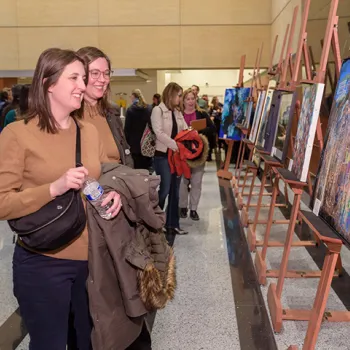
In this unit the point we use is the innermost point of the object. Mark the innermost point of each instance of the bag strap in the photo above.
(78, 146)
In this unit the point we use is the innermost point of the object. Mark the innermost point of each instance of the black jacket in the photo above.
(136, 120)
(116, 126)
(210, 130)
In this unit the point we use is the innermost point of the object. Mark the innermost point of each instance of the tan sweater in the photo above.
(30, 160)
(92, 116)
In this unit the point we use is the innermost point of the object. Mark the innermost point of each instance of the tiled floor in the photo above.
(218, 304)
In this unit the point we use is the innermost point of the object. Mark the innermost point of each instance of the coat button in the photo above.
(146, 180)
(114, 178)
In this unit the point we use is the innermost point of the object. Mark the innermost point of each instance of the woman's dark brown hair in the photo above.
(49, 68)
(170, 91)
(89, 54)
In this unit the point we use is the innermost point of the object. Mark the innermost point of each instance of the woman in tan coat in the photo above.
(97, 108)
(37, 164)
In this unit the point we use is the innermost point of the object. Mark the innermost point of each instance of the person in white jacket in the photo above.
(167, 121)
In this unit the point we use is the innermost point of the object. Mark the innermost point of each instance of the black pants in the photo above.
(50, 293)
(141, 162)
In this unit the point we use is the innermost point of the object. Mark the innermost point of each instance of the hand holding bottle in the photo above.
(73, 178)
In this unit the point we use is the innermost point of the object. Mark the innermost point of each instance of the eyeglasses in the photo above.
(95, 74)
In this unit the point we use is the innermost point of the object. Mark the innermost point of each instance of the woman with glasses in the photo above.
(167, 121)
(99, 111)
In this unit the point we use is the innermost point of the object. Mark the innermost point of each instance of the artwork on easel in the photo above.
(284, 126)
(271, 127)
(264, 117)
(257, 115)
(248, 115)
(332, 188)
(233, 112)
(304, 139)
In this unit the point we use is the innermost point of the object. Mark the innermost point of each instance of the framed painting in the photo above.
(284, 126)
(235, 104)
(271, 127)
(305, 136)
(332, 187)
(260, 140)
(248, 115)
(257, 116)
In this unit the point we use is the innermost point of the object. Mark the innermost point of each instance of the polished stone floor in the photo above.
(219, 304)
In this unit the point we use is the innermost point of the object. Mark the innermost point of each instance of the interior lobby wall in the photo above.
(138, 34)
(282, 15)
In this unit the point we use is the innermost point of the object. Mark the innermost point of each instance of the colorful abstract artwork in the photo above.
(235, 105)
(248, 114)
(264, 118)
(305, 136)
(285, 115)
(257, 116)
(271, 127)
(332, 188)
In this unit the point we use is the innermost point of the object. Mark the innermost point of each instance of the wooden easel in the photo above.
(269, 161)
(278, 314)
(264, 155)
(260, 257)
(245, 141)
(225, 173)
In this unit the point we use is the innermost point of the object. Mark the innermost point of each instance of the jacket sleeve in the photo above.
(210, 125)
(15, 202)
(158, 129)
(127, 126)
(128, 158)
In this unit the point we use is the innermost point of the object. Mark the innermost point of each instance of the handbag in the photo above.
(148, 142)
(58, 222)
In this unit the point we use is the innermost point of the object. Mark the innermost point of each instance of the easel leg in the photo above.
(260, 257)
(288, 243)
(245, 210)
(320, 303)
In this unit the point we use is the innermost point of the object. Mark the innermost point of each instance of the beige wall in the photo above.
(138, 33)
(282, 15)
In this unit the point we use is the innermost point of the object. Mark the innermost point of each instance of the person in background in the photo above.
(16, 89)
(167, 121)
(156, 100)
(4, 97)
(138, 115)
(191, 112)
(215, 112)
(195, 89)
(19, 113)
(203, 103)
(37, 164)
(99, 111)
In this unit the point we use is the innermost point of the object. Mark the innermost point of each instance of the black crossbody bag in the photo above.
(58, 222)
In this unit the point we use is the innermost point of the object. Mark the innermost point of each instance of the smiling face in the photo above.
(67, 93)
(99, 79)
(190, 101)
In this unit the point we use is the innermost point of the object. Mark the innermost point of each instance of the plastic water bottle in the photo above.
(94, 193)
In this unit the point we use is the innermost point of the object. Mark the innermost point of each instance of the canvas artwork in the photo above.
(304, 139)
(248, 115)
(233, 112)
(264, 118)
(271, 127)
(257, 115)
(332, 189)
(284, 124)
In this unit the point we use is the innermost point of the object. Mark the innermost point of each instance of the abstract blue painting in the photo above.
(233, 112)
